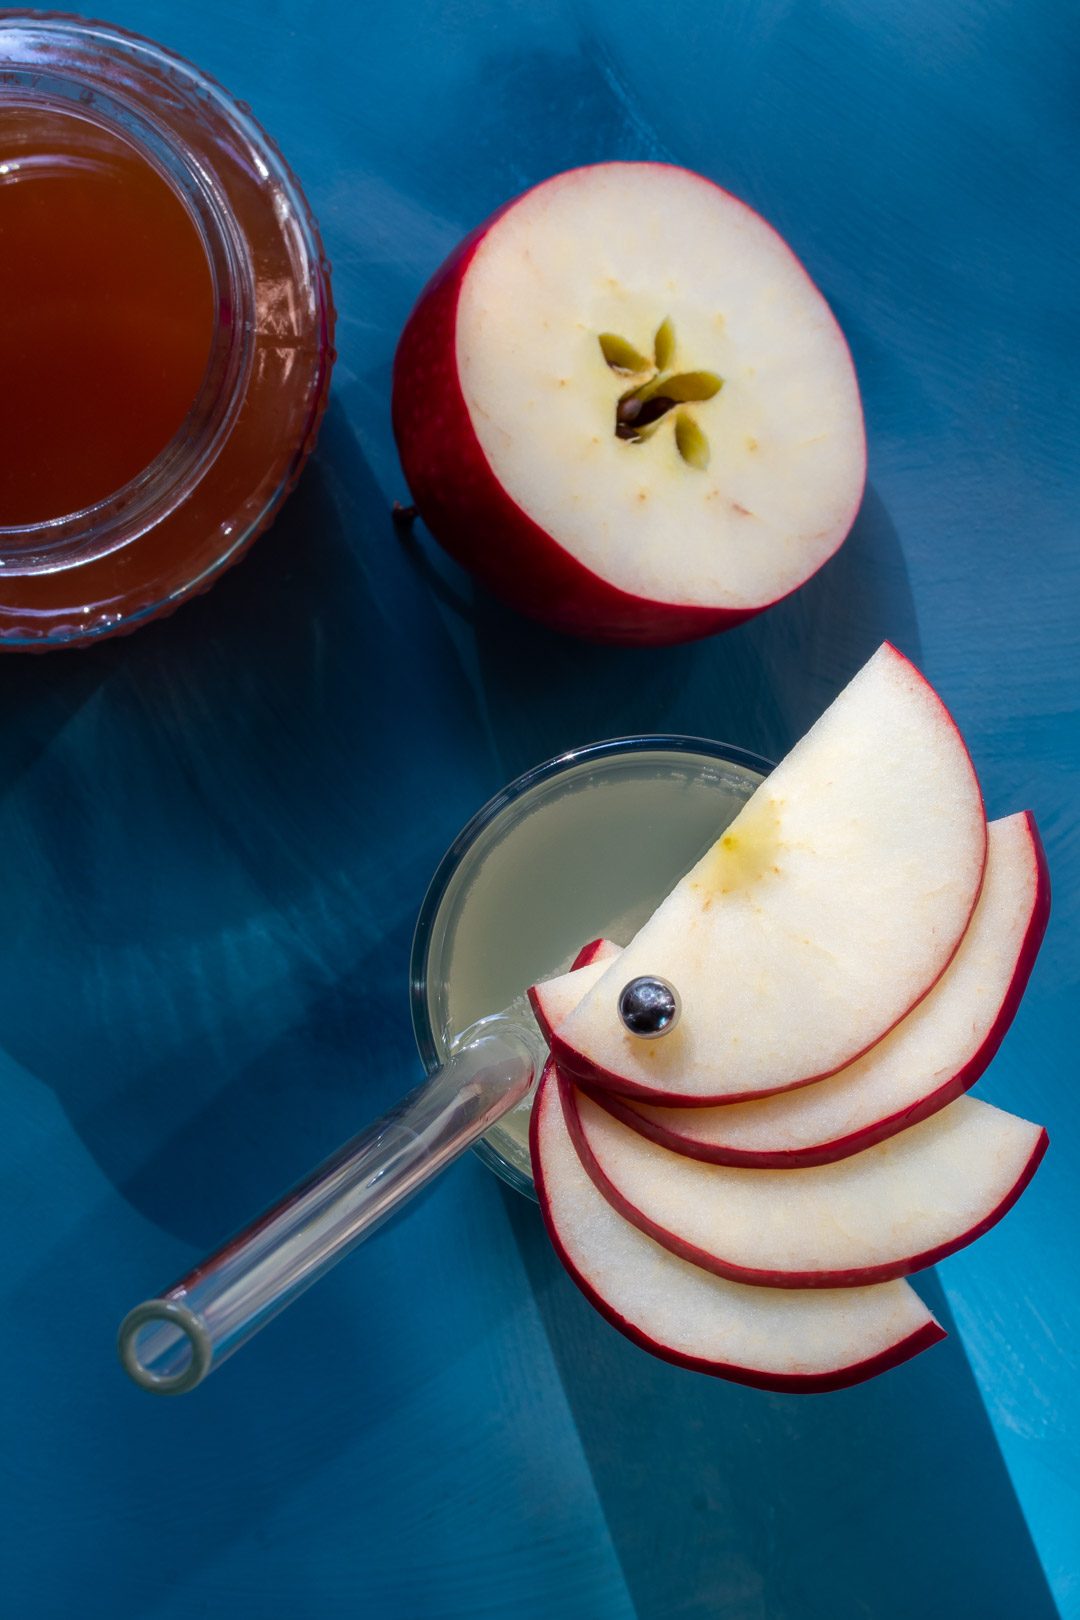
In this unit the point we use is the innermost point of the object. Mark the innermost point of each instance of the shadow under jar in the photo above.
(165, 378)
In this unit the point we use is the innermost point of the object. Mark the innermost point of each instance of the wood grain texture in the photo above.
(217, 834)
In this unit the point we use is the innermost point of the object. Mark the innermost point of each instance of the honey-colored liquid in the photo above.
(106, 313)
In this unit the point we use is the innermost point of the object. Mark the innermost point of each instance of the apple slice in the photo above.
(553, 1000)
(828, 908)
(625, 407)
(882, 1213)
(795, 1342)
(933, 1055)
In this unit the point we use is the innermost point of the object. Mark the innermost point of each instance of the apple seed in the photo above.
(691, 443)
(664, 344)
(621, 355)
(692, 385)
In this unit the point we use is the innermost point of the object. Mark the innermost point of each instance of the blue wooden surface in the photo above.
(216, 836)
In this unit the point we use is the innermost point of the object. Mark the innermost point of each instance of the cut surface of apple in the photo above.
(885, 1212)
(624, 405)
(807, 1341)
(553, 1000)
(819, 918)
(933, 1055)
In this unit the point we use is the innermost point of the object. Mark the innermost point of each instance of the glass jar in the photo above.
(171, 530)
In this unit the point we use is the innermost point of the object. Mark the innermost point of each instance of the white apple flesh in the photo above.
(883, 1213)
(931, 1057)
(797, 1342)
(822, 915)
(505, 408)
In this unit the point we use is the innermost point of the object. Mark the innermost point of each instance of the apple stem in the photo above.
(404, 516)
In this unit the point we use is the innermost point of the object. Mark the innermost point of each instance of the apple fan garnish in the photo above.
(823, 914)
(752, 1126)
(932, 1056)
(625, 407)
(801, 1341)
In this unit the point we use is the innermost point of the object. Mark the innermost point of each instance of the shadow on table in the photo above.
(184, 1480)
(222, 830)
(759, 686)
(885, 1501)
(219, 834)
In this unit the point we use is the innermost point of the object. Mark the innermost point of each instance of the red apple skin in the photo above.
(592, 1075)
(785, 1384)
(856, 1277)
(476, 521)
(843, 1146)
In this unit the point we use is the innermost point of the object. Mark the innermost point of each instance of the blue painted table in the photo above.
(216, 836)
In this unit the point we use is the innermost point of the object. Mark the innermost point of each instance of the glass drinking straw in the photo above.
(171, 1343)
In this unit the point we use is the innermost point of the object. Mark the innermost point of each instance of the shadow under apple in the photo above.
(722, 1500)
(759, 686)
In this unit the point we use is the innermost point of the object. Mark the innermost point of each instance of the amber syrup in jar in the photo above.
(109, 302)
(166, 330)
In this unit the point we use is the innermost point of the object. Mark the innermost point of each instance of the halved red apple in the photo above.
(883, 1213)
(623, 404)
(798, 1342)
(932, 1056)
(824, 913)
